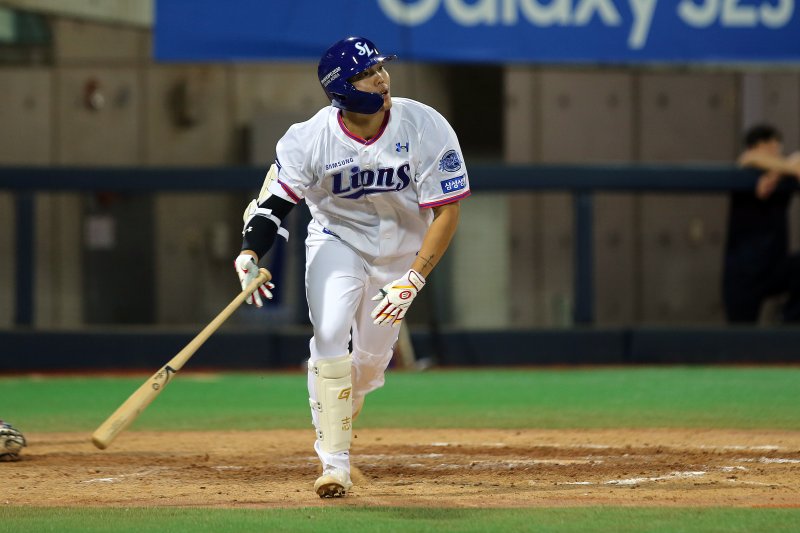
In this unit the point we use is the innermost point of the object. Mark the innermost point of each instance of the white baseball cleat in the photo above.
(333, 483)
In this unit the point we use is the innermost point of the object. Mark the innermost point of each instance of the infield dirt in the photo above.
(421, 468)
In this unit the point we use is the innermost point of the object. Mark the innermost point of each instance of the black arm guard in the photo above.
(262, 227)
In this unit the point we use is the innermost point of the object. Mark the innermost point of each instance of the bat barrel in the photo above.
(146, 393)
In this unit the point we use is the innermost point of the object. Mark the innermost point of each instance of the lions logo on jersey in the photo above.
(450, 161)
(363, 182)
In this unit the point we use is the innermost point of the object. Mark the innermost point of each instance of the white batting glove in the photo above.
(247, 270)
(396, 297)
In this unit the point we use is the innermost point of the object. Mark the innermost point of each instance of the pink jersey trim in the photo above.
(289, 191)
(445, 201)
(361, 139)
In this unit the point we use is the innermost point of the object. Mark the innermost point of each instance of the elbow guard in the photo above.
(262, 222)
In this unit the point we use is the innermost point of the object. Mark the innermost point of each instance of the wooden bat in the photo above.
(408, 359)
(147, 392)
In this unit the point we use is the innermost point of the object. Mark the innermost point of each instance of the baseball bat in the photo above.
(408, 358)
(147, 392)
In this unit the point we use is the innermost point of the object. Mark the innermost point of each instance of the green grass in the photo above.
(378, 519)
(712, 397)
(744, 398)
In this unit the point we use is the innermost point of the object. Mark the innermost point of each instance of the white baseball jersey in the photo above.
(373, 194)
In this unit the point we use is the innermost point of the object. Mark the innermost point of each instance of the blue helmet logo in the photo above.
(341, 62)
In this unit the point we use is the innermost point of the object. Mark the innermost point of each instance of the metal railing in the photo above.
(581, 181)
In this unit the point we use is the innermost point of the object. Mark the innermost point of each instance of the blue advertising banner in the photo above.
(484, 31)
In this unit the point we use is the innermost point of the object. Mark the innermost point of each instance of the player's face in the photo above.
(374, 80)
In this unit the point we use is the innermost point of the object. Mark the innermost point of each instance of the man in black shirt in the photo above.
(757, 261)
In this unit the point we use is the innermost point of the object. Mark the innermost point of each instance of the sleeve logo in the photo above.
(450, 161)
(454, 184)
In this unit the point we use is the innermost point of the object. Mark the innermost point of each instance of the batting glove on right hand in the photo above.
(247, 270)
(396, 298)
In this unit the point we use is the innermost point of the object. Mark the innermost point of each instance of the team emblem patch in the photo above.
(450, 161)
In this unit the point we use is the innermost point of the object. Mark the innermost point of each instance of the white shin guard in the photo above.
(332, 402)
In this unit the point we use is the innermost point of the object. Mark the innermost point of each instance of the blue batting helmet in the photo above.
(341, 62)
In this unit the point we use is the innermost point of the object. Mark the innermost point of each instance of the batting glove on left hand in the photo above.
(247, 270)
(396, 297)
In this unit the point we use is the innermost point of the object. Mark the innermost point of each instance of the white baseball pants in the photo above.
(340, 284)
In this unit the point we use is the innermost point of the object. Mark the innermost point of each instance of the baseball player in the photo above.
(383, 178)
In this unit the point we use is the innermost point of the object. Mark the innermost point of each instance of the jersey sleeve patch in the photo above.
(450, 161)
(454, 184)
